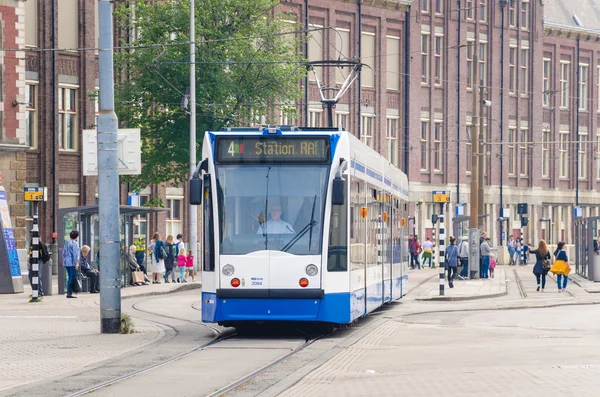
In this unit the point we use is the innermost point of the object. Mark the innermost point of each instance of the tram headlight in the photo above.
(228, 270)
(312, 270)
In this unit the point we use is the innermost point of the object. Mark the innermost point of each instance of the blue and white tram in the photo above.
(298, 225)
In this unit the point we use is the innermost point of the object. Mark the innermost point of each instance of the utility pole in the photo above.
(193, 209)
(473, 206)
(482, 157)
(108, 178)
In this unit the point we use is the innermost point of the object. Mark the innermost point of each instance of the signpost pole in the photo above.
(35, 251)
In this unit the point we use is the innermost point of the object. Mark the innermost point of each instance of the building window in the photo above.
(140, 222)
(68, 25)
(174, 223)
(524, 14)
(512, 70)
(546, 82)
(392, 140)
(564, 84)
(438, 153)
(437, 58)
(564, 154)
(438, 6)
(31, 23)
(523, 151)
(367, 75)
(512, 13)
(470, 47)
(342, 49)
(315, 50)
(469, 9)
(482, 11)
(546, 153)
(314, 118)
(524, 76)
(424, 146)
(583, 158)
(31, 131)
(469, 159)
(368, 127)
(341, 120)
(598, 89)
(392, 63)
(67, 118)
(512, 156)
(583, 91)
(598, 156)
(425, 6)
(482, 60)
(285, 115)
(424, 58)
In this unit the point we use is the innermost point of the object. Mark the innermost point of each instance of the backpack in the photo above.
(45, 255)
(176, 250)
(161, 251)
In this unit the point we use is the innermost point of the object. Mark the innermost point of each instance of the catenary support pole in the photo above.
(442, 249)
(193, 209)
(108, 179)
(473, 204)
(481, 164)
(35, 256)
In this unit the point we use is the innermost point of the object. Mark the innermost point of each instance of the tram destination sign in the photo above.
(272, 149)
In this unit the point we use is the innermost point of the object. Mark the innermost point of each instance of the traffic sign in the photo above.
(35, 193)
(441, 196)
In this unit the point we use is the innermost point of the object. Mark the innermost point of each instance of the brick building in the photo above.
(413, 103)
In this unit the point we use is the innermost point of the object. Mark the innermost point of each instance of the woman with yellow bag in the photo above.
(561, 267)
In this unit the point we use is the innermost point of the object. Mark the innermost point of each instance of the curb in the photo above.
(461, 298)
(182, 288)
(421, 283)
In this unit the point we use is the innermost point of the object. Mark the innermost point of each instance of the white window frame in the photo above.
(391, 134)
(546, 81)
(512, 13)
(583, 86)
(597, 155)
(424, 147)
(425, 6)
(63, 115)
(598, 88)
(31, 115)
(468, 150)
(170, 221)
(523, 152)
(425, 63)
(524, 9)
(482, 11)
(141, 219)
(470, 6)
(314, 118)
(512, 150)
(342, 117)
(565, 70)
(512, 69)
(318, 69)
(563, 156)
(546, 134)
(439, 7)
(438, 150)
(438, 59)
(482, 61)
(367, 132)
(582, 172)
(469, 57)
(524, 71)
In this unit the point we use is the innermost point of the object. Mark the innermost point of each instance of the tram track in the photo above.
(519, 284)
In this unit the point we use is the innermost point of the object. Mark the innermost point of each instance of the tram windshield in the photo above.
(271, 207)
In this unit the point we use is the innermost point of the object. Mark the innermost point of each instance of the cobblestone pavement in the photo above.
(58, 336)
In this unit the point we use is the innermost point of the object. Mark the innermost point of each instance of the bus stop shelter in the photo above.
(587, 260)
(85, 220)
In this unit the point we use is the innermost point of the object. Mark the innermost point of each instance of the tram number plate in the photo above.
(266, 149)
(441, 197)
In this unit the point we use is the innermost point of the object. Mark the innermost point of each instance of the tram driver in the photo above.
(275, 225)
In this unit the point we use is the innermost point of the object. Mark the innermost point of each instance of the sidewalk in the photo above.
(59, 335)
(463, 289)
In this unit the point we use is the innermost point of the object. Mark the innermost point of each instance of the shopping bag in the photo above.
(76, 285)
(137, 277)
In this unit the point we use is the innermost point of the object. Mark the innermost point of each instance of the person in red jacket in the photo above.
(414, 246)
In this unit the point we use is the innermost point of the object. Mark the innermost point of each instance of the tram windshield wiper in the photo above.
(304, 230)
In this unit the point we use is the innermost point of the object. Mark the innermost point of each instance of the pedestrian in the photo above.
(427, 251)
(181, 262)
(417, 244)
(140, 252)
(411, 250)
(158, 263)
(512, 248)
(463, 256)
(189, 264)
(43, 259)
(179, 246)
(492, 265)
(518, 249)
(542, 264)
(133, 266)
(88, 271)
(169, 260)
(451, 261)
(561, 266)
(70, 256)
(485, 250)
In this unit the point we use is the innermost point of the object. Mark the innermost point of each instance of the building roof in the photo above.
(576, 15)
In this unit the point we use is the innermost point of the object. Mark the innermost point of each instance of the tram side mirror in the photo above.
(196, 191)
(339, 191)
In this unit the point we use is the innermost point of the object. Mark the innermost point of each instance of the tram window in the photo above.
(337, 256)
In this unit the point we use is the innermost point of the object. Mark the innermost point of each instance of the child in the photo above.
(492, 265)
(181, 263)
(189, 264)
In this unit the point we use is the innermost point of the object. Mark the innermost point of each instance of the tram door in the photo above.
(386, 248)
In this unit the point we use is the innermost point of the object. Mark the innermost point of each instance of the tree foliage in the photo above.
(244, 66)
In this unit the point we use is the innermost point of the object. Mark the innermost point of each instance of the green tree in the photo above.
(244, 66)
